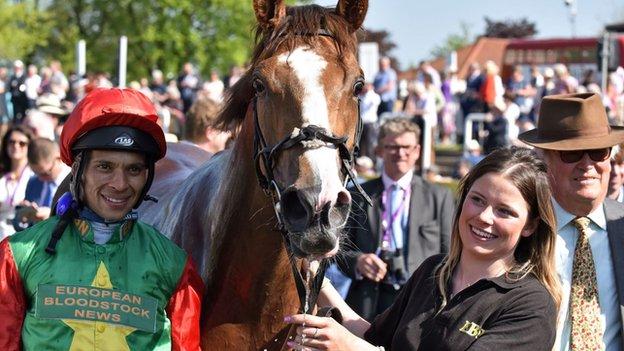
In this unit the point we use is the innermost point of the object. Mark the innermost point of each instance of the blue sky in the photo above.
(418, 26)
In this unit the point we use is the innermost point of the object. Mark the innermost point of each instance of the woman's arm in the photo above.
(324, 333)
(328, 296)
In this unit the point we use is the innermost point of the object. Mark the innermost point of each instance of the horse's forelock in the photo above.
(298, 26)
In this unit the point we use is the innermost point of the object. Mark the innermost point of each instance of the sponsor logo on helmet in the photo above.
(124, 140)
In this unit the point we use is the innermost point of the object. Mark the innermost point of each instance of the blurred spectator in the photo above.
(32, 82)
(58, 81)
(236, 72)
(365, 169)
(385, 84)
(522, 93)
(589, 81)
(537, 79)
(565, 83)
(214, 87)
(17, 88)
(46, 78)
(145, 89)
(15, 175)
(199, 126)
(447, 116)
(492, 89)
(512, 115)
(425, 68)
(473, 153)
(188, 84)
(158, 87)
(44, 158)
(616, 177)
(471, 98)
(496, 126)
(369, 103)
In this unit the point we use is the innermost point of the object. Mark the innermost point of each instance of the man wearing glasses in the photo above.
(576, 142)
(410, 220)
(44, 158)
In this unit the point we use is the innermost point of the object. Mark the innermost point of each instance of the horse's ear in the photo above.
(269, 12)
(354, 11)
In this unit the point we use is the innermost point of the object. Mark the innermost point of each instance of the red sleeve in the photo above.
(184, 309)
(12, 300)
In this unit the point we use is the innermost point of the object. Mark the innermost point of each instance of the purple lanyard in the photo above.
(388, 217)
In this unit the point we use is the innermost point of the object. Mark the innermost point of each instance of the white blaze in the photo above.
(308, 67)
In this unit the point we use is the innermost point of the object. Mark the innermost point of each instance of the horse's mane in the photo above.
(301, 24)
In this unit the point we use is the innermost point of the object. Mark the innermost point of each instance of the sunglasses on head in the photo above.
(596, 155)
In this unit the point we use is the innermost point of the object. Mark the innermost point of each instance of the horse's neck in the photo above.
(251, 280)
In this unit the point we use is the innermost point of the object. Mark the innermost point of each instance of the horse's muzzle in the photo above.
(313, 222)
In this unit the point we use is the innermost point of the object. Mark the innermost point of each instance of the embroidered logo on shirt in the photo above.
(472, 329)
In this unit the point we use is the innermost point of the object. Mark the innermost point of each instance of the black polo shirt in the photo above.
(491, 314)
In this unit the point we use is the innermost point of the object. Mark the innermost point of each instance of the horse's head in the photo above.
(306, 79)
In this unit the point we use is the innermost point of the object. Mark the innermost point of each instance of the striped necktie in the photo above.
(586, 329)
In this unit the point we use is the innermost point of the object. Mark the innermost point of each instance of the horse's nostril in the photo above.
(344, 198)
(294, 210)
(325, 214)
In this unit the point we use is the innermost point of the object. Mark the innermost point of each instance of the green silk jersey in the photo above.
(116, 296)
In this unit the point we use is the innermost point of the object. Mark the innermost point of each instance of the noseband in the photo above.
(265, 157)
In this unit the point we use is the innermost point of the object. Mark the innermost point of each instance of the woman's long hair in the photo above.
(5, 160)
(534, 254)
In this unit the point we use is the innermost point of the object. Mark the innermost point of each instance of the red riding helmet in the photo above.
(121, 119)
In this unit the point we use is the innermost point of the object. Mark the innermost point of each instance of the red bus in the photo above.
(579, 54)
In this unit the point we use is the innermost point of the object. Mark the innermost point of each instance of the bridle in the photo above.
(265, 157)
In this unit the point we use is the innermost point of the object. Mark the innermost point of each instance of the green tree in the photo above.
(520, 28)
(453, 42)
(22, 29)
(161, 33)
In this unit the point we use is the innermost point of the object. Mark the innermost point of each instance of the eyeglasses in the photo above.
(18, 142)
(596, 155)
(397, 148)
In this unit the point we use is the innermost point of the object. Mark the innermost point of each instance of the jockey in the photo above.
(93, 277)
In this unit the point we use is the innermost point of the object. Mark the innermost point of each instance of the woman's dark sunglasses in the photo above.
(18, 142)
(596, 155)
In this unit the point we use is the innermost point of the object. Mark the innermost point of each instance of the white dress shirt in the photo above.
(607, 293)
(405, 184)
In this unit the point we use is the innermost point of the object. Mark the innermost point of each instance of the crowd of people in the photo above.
(440, 102)
(527, 254)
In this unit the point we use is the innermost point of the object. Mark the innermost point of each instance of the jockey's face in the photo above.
(113, 181)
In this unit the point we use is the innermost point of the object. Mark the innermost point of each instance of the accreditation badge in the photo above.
(72, 302)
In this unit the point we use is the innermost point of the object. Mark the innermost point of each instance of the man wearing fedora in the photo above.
(576, 142)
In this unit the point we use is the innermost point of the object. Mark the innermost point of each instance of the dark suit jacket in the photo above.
(430, 220)
(614, 212)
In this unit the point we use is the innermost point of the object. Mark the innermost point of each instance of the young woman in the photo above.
(496, 289)
(14, 173)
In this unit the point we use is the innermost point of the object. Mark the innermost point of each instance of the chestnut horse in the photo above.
(297, 112)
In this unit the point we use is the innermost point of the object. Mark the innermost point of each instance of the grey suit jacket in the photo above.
(614, 212)
(430, 219)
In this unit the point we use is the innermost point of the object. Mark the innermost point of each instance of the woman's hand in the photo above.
(323, 333)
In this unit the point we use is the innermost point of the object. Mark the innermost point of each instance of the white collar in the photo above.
(404, 182)
(564, 217)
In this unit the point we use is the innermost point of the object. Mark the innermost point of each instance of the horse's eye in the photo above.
(258, 86)
(357, 87)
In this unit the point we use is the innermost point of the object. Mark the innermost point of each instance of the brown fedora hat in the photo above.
(573, 122)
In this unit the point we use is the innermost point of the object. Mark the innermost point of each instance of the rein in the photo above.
(265, 156)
